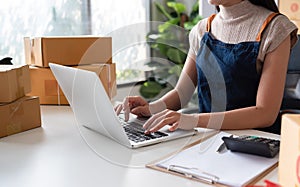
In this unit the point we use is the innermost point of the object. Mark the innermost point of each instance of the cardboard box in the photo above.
(290, 8)
(14, 82)
(20, 115)
(46, 87)
(289, 155)
(73, 51)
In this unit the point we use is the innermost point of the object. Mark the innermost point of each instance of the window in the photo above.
(126, 23)
(36, 18)
(115, 18)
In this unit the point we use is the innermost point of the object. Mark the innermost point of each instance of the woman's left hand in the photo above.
(174, 119)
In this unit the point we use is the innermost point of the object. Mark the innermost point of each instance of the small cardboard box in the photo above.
(289, 155)
(46, 87)
(14, 82)
(290, 8)
(72, 51)
(20, 115)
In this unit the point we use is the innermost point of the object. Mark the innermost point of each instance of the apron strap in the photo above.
(209, 20)
(265, 24)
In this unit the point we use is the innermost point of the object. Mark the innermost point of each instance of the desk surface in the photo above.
(63, 154)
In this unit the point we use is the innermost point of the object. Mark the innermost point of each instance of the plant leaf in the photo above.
(195, 7)
(195, 11)
(163, 27)
(190, 24)
(176, 55)
(196, 19)
(150, 89)
(163, 48)
(162, 10)
(176, 70)
(178, 7)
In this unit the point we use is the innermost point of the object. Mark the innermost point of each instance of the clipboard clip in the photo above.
(200, 175)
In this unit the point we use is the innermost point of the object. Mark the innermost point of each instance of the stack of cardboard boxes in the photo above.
(88, 53)
(291, 8)
(18, 112)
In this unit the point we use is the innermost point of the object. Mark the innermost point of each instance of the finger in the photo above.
(141, 111)
(154, 123)
(118, 109)
(162, 123)
(126, 108)
(174, 126)
(137, 101)
(153, 118)
(137, 111)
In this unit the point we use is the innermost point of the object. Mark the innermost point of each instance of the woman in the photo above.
(238, 59)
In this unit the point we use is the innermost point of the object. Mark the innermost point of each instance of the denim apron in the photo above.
(227, 73)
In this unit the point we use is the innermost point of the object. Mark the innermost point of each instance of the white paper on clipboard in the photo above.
(229, 168)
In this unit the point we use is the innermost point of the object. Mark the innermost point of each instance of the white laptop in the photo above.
(93, 109)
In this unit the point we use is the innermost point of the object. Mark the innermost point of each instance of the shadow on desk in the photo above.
(30, 137)
(110, 150)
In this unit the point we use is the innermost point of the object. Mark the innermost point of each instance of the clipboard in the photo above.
(187, 163)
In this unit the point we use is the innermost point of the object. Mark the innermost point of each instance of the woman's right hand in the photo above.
(135, 105)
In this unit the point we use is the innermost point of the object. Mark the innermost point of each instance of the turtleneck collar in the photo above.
(236, 10)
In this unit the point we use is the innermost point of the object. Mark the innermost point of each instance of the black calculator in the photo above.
(253, 145)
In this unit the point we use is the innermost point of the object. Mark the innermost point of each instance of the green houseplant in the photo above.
(170, 40)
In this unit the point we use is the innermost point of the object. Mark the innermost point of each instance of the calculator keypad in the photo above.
(253, 145)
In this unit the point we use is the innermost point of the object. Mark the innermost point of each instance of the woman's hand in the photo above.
(135, 105)
(174, 119)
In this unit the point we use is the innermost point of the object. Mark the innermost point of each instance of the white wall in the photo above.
(206, 9)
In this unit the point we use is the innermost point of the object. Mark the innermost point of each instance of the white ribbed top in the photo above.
(242, 22)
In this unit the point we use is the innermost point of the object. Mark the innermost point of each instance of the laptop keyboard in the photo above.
(136, 133)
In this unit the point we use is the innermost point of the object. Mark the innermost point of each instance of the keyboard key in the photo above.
(135, 132)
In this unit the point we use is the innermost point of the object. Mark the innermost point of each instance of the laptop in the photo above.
(93, 109)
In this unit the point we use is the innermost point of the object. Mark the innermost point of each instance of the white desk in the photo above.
(62, 154)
